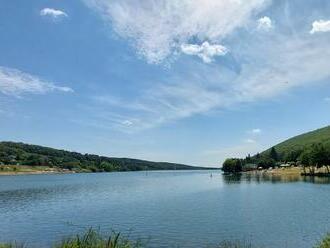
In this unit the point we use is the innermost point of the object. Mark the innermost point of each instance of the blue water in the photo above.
(166, 209)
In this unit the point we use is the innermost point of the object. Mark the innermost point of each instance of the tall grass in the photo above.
(93, 239)
(325, 243)
(234, 244)
(12, 245)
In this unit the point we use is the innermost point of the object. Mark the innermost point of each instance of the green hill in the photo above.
(294, 146)
(12, 153)
(308, 149)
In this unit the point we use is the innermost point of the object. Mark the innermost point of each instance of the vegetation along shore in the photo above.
(94, 239)
(20, 158)
(307, 154)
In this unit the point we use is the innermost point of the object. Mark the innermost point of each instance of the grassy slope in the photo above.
(321, 135)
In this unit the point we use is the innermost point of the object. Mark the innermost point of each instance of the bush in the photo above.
(93, 239)
(325, 243)
(232, 165)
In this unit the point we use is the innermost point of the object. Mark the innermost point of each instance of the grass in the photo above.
(325, 243)
(12, 245)
(94, 239)
(234, 244)
(321, 135)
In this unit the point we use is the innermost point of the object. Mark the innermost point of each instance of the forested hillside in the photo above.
(310, 149)
(12, 153)
(290, 149)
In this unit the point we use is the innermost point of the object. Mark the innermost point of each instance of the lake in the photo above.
(166, 208)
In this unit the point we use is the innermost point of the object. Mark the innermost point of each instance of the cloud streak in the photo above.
(14, 82)
(320, 26)
(266, 65)
(205, 51)
(255, 131)
(157, 29)
(53, 13)
(290, 63)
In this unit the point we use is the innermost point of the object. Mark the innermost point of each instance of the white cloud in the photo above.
(250, 141)
(265, 23)
(320, 26)
(280, 64)
(127, 123)
(53, 13)
(14, 82)
(159, 28)
(255, 131)
(206, 51)
(327, 99)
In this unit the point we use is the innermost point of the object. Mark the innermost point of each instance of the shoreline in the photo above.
(21, 173)
(290, 172)
(16, 170)
(12, 170)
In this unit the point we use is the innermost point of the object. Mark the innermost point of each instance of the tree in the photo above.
(232, 165)
(292, 156)
(305, 159)
(248, 159)
(273, 154)
(318, 155)
(266, 163)
(106, 166)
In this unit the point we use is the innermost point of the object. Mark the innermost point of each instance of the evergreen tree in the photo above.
(273, 154)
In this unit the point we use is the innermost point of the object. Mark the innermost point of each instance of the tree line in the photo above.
(12, 153)
(309, 158)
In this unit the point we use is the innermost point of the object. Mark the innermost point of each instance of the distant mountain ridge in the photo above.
(35, 155)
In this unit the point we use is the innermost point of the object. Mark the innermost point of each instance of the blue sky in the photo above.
(180, 81)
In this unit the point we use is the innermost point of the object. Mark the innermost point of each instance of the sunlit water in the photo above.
(166, 209)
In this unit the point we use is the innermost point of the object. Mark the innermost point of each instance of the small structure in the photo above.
(285, 165)
(250, 167)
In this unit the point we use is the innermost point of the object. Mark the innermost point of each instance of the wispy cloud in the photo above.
(157, 29)
(16, 83)
(55, 14)
(327, 99)
(320, 26)
(250, 141)
(201, 88)
(255, 131)
(205, 51)
(268, 65)
(265, 23)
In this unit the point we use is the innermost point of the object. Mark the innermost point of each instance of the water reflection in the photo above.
(261, 177)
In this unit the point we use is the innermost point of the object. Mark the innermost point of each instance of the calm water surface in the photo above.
(166, 209)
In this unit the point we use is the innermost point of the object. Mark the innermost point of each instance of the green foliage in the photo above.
(325, 243)
(12, 245)
(232, 165)
(235, 244)
(266, 162)
(12, 153)
(310, 150)
(93, 239)
(273, 154)
(291, 149)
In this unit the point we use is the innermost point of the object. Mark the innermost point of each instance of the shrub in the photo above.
(325, 243)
